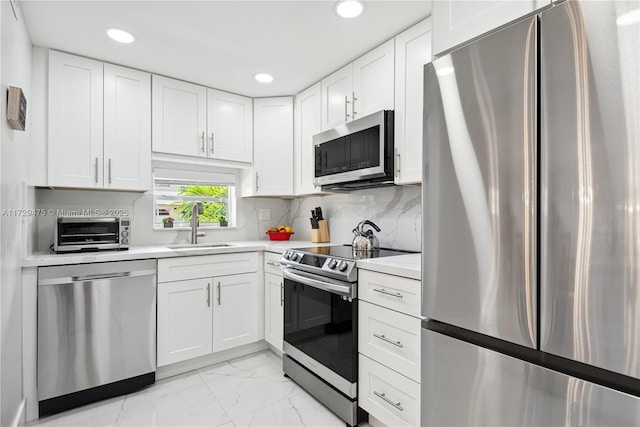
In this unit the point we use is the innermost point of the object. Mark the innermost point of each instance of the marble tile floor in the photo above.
(248, 391)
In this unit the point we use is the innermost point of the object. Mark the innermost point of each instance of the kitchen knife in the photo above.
(319, 216)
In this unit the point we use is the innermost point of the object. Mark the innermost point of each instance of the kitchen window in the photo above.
(175, 192)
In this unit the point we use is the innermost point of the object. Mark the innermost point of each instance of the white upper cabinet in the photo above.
(413, 51)
(179, 117)
(230, 126)
(273, 154)
(99, 125)
(458, 21)
(75, 156)
(307, 122)
(336, 98)
(127, 128)
(362, 87)
(192, 120)
(373, 81)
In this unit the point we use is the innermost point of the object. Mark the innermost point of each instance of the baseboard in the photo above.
(163, 372)
(275, 350)
(374, 422)
(20, 419)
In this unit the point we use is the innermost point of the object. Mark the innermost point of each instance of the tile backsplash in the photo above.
(396, 210)
(140, 208)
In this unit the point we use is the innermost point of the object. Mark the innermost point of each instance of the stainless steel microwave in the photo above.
(356, 155)
(84, 233)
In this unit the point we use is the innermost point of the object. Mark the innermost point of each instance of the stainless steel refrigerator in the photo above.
(531, 235)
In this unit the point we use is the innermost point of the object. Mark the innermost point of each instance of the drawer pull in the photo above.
(383, 338)
(273, 264)
(390, 402)
(386, 292)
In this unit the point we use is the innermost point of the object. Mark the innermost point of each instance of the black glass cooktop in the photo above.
(348, 253)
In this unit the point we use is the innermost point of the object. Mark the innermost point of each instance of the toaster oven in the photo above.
(76, 234)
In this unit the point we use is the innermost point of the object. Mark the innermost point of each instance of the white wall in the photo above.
(140, 207)
(396, 210)
(15, 70)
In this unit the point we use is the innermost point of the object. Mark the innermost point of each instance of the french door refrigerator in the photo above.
(531, 235)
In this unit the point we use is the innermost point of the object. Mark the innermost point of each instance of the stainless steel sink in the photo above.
(199, 246)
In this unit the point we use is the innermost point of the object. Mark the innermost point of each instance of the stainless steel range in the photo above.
(321, 324)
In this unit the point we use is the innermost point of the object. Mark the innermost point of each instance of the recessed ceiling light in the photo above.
(121, 36)
(629, 18)
(349, 8)
(264, 77)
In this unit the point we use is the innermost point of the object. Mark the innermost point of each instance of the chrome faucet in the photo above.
(195, 211)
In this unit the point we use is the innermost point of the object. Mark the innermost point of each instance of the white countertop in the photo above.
(160, 251)
(400, 265)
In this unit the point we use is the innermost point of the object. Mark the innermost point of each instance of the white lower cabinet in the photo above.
(273, 300)
(216, 311)
(391, 338)
(235, 312)
(389, 343)
(390, 397)
(184, 320)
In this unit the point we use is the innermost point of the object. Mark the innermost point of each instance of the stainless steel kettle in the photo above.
(365, 240)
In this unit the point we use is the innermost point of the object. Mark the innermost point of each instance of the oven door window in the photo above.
(89, 232)
(322, 325)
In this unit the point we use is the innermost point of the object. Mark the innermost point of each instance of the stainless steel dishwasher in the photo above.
(96, 332)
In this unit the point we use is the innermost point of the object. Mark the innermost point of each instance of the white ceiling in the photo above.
(222, 44)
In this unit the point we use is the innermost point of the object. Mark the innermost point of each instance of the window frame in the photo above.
(178, 177)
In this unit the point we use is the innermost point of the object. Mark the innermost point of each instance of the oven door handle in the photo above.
(319, 282)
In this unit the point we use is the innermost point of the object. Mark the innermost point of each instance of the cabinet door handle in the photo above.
(346, 108)
(96, 168)
(384, 397)
(390, 341)
(257, 182)
(219, 294)
(397, 168)
(211, 139)
(202, 142)
(386, 292)
(281, 294)
(208, 294)
(109, 171)
(353, 104)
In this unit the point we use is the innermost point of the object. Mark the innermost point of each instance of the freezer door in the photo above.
(466, 385)
(590, 184)
(479, 186)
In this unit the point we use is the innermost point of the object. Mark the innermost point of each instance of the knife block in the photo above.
(321, 234)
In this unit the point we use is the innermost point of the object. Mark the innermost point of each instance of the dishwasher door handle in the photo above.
(92, 277)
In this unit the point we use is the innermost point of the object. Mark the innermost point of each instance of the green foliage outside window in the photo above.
(211, 211)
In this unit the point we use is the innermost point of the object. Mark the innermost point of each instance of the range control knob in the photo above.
(332, 263)
(343, 266)
(294, 256)
(287, 254)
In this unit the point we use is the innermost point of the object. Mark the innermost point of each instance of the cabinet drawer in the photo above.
(394, 292)
(390, 338)
(195, 267)
(387, 395)
(272, 263)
